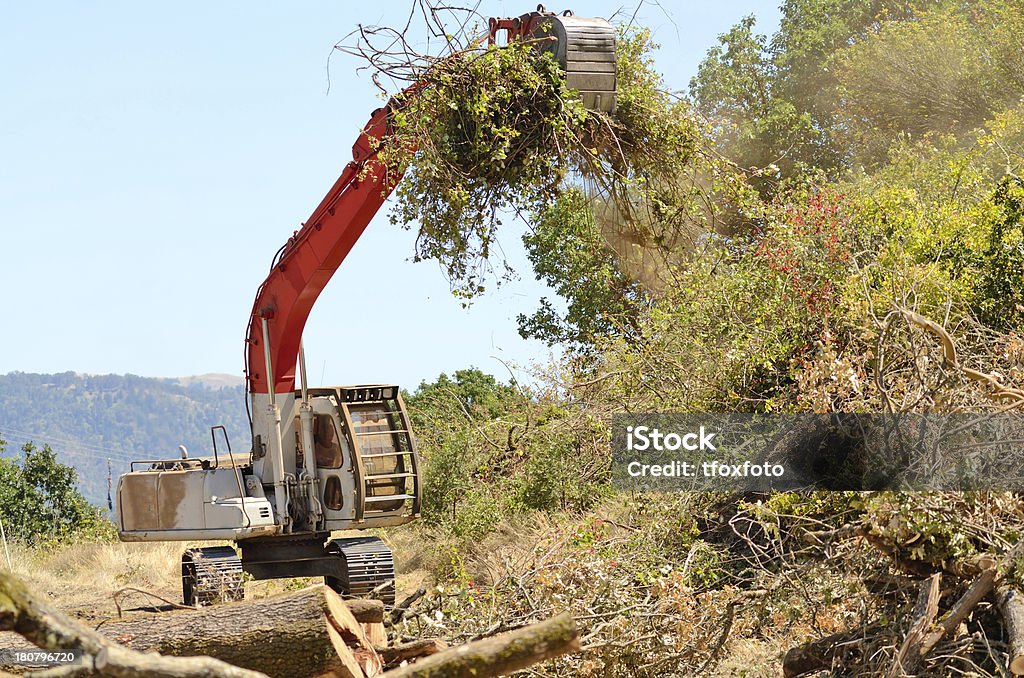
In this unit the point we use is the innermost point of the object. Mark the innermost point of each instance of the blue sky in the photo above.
(154, 157)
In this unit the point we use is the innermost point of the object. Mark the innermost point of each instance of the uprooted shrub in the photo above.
(494, 131)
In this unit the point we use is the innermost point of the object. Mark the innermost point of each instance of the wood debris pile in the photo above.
(312, 632)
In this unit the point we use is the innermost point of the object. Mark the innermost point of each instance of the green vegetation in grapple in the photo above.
(495, 131)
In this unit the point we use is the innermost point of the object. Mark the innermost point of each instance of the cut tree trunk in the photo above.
(50, 629)
(1011, 605)
(366, 611)
(310, 632)
(376, 634)
(499, 655)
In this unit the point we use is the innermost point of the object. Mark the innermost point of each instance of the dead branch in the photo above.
(499, 655)
(402, 608)
(819, 655)
(1000, 390)
(908, 658)
(1011, 606)
(977, 592)
(848, 531)
(117, 595)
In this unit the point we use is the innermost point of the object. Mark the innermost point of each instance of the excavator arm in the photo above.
(305, 264)
(584, 47)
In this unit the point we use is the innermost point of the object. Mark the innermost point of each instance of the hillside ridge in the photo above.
(88, 419)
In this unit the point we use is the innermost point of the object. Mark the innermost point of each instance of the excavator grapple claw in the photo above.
(584, 47)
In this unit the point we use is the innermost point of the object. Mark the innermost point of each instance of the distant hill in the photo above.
(213, 380)
(88, 419)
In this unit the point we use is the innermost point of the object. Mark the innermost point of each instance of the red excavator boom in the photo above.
(586, 50)
(305, 264)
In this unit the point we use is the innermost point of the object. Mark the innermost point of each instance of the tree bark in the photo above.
(366, 611)
(499, 655)
(1011, 605)
(310, 632)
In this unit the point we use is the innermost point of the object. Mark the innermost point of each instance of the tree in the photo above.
(491, 450)
(1001, 286)
(39, 497)
(776, 102)
(468, 394)
(461, 423)
(734, 87)
(570, 254)
(946, 72)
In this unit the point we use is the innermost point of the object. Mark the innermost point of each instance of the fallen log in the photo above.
(306, 633)
(908, 658)
(498, 655)
(1011, 606)
(310, 633)
(366, 611)
(50, 629)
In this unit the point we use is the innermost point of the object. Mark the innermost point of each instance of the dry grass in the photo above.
(81, 578)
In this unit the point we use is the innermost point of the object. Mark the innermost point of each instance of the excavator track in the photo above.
(211, 575)
(368, 566)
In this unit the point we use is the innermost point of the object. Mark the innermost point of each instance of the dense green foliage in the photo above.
(568, 251)
(488, 133)
(40, 501)
(873, 154)
(844, 233)
(494, 450)
(841, 80)
(884, 140)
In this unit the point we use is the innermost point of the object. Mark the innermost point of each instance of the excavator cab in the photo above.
(584, 47)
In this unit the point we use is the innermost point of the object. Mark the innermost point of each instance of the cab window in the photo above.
(333, 497)
(326, 442)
